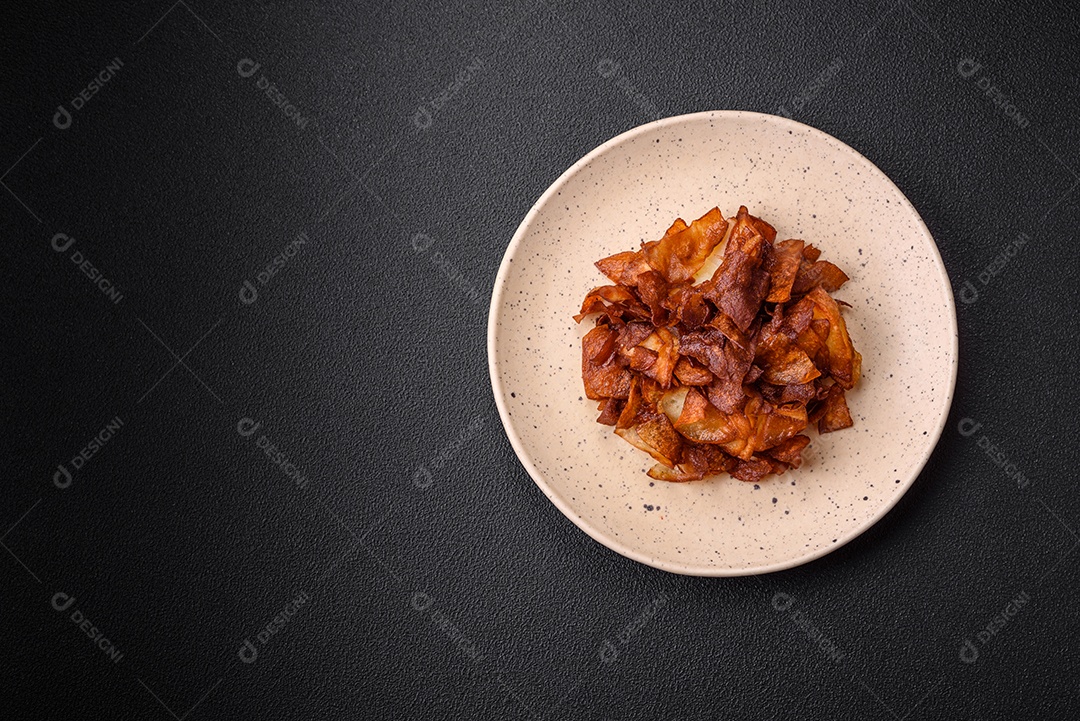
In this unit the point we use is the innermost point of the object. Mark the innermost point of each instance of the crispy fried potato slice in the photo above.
(680, 474)
(774, 424)
(653, 290)
(842, 362)
(747, 225)
(836, 414)
(609, 411)
(782, 263)
(678, 226)
(740, 284)
(700, 421)
(784, 363)
(687, 304)
(708, 459)
(624, 268)
(633, 407)
(679, 254)
(665, 345)
(672, 402)
(656, 430)
(690, 374)
(752, 470)
(631, 335)
(602, 380)
(821, 273)
(789, 451)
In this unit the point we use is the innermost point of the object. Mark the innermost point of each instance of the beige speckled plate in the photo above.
(810, 186)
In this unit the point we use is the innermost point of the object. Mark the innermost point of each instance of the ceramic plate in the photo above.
(810, 186)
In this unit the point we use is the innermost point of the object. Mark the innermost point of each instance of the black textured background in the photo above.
(441, 583)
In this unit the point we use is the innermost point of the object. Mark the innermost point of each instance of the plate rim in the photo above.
(557, 499)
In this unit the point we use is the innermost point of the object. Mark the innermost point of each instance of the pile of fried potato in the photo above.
(720, 375)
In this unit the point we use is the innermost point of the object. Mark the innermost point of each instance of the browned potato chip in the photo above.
(836, 414)
(782, 265)
(681, 252)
